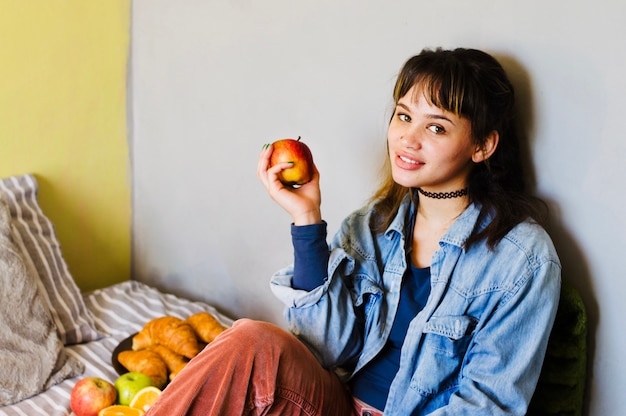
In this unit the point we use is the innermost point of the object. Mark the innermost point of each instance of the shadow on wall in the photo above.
(575, 269)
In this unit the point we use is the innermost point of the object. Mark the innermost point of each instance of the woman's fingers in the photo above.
(264, 162)
(269, 174)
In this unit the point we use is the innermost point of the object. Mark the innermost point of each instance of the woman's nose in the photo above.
(411, 138)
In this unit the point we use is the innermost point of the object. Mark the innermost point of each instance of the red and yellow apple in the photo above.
(296, 152)
(90, 395)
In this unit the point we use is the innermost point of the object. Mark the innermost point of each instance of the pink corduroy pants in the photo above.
(255, 368)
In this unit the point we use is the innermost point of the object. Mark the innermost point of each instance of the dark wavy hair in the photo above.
(472, 84)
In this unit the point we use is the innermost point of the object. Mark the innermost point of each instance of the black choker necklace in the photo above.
(443, 195)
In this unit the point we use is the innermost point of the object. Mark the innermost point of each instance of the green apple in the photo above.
(128, 384)
(298, 153)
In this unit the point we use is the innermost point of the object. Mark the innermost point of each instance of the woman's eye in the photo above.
(404, 117)
(436, 129)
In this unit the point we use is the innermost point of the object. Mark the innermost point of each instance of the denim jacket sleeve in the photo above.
(313, 316)
(330, 319)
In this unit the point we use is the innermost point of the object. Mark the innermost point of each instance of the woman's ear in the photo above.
(486, 150)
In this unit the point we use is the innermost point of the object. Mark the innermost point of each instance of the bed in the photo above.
(80, 330)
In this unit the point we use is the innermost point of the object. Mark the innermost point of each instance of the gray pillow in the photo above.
(32, 357)
(73, 320)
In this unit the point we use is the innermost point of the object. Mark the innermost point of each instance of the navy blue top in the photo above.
(372, 383)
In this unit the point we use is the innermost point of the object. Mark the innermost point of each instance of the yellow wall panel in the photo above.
(63, 66)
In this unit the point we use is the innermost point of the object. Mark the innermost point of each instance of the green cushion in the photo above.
(561, 387)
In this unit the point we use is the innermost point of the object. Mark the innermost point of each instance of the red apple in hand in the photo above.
(90, 395)
(295, 151)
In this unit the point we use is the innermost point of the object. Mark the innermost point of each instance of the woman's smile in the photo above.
(408, 162)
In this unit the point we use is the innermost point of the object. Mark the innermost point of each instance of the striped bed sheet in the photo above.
(118, 311)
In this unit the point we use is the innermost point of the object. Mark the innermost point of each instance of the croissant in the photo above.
(206, 327)
(146, 362)
(174, 362)
(171, 332)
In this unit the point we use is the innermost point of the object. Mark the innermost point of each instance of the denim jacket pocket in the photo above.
(367, 295)
(445, 342)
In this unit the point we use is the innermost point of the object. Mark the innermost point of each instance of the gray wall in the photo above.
(212, 81)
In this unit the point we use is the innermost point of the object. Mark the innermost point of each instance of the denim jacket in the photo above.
(478, 345)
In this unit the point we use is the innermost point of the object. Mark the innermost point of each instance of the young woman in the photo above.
(437, 297)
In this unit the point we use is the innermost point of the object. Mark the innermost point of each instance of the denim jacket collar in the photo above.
(462, 228)
(405, 211)
(456, 235)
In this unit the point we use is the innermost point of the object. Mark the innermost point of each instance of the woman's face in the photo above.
(429, 147)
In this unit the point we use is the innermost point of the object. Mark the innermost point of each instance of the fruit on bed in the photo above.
(120, 410)
(90, 395)
(129, 384)
(206, 327)
(171, 332)
(145, 398)
(145, 362)
(298, 153)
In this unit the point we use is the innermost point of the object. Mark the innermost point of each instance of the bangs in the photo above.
(445, 87)
(445, 91)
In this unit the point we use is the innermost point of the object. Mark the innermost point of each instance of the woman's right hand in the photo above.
(302, 203)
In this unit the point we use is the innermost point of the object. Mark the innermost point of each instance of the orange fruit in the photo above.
(120, 410)
(145, 398)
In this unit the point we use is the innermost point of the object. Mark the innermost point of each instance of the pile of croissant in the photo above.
(166, 344)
